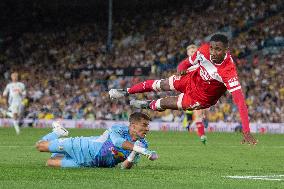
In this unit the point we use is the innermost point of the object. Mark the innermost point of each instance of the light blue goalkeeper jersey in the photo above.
(102, 151)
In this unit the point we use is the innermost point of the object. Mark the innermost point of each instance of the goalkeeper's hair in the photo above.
(137, 116)
(220, 37)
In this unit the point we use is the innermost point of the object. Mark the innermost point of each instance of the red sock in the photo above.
(142, 87)
(156, 105)
(200, 129)
(153, 105)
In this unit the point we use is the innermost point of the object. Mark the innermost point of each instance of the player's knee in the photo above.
(42, 146)
(38, 146)
(50, 163)
(181, 102)
(53, 163)
(170, 82)
(164, 84)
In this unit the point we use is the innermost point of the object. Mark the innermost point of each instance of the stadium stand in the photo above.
(67, 71)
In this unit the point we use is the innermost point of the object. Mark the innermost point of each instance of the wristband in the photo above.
(131, 157)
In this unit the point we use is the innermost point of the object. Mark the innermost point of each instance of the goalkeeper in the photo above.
(119, 144)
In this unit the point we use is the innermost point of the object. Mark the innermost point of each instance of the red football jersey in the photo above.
(210, 81)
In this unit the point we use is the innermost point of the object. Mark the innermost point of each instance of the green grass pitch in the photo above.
(184, 163)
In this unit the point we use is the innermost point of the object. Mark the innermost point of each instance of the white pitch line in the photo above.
(221, 146)
(265, 177)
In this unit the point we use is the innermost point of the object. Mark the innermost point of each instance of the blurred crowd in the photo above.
(64, 69)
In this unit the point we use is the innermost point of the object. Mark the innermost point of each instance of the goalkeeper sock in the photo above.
(50, 136)
(200, 129)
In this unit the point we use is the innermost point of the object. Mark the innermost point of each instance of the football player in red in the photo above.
(210, 72)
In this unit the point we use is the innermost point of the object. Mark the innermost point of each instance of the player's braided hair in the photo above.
(220, 37)
(137, 116)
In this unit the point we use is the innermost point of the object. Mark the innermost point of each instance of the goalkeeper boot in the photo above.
(203, 139)
(59, 129)
(117, 93)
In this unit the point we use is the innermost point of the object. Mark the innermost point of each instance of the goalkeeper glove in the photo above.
(151, 155)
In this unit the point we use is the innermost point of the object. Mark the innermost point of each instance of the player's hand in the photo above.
(248, 138)
(151, 155)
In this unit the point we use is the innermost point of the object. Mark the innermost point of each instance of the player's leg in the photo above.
(63, 161)
(173, 103)
(145, 86)
(181, 102)
(173, 83)
(150, 85)
(54, 162)
(56, 146)
(42, 146)
(199, 115)
(16, 122)
(157, 105)
(21, 113)
(57, 131)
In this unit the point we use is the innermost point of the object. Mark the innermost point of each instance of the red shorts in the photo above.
(185, 100)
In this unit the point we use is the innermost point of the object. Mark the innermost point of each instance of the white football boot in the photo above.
(117, 93)
(203, 139)
(59, 129)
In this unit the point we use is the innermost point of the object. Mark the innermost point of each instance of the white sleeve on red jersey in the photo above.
(183, 65)
(203, 49)
(191, 62)
(186, 63)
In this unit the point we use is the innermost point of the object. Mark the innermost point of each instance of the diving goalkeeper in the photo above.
(119, 144)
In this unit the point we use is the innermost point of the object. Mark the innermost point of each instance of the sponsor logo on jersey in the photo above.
(204, 74)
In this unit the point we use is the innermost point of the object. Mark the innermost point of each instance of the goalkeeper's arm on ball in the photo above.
(138, 150)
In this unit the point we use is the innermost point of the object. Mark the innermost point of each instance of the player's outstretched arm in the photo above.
(121, 142)
(183, 66)
(239, 100)
(151, 155)
(132, 159)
